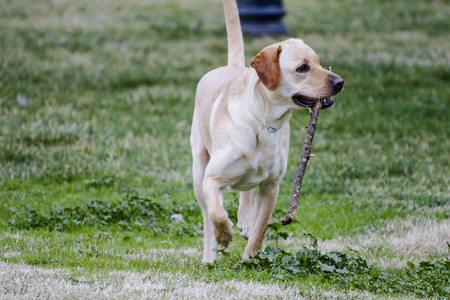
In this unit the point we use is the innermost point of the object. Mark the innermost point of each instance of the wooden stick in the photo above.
(302, 167)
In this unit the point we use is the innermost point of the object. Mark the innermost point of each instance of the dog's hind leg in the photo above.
(245, 213)
(264, 204)
(200, 161)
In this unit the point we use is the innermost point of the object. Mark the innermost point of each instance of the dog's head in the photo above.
(294, 71)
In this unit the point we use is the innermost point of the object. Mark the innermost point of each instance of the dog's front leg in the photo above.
(264, 204)
(200, 161)
(222, 226)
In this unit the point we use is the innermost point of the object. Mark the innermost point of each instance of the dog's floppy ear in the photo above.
(267, 65)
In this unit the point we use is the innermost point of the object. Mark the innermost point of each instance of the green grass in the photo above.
(110, 91)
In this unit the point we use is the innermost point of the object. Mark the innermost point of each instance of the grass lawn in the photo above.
(96, 102)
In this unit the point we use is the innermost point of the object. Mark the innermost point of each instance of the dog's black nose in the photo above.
(337, 83)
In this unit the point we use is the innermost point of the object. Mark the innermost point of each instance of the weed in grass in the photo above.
(275, 226)
(350, 271)
(133, 213)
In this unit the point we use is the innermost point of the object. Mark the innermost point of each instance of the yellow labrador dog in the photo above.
(240, 130)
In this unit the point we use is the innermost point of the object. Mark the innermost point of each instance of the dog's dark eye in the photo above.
(303, 68)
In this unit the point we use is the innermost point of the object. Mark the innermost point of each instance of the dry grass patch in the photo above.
(21, 281)
(398, 241)
(24, 282)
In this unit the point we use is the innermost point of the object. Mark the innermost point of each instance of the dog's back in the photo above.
(211, 83)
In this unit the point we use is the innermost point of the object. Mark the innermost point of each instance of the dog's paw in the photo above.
(223, 232)
(245, 227)
(209, 258)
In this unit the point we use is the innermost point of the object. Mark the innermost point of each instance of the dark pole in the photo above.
(262, 17)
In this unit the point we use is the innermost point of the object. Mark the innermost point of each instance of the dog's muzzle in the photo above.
(336, 83)
(309, 102)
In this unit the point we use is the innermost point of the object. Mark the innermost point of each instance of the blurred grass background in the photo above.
(105, 91)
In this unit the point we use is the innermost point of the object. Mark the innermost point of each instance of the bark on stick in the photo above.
(302, 167)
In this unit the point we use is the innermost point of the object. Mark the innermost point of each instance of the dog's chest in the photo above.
(260, 160)
(267, 146)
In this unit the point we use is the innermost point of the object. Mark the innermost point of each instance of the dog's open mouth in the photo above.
(309, 102)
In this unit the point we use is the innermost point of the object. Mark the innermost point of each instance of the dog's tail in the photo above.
(234, 33)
